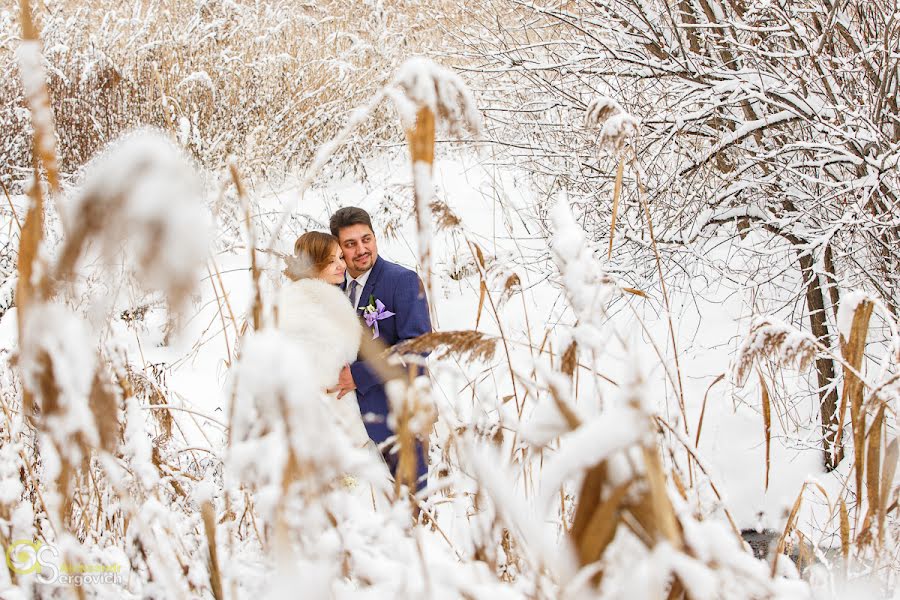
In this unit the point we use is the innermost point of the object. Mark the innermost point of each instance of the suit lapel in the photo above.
(369, 288)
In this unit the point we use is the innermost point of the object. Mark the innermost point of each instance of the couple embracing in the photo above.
(340, 290)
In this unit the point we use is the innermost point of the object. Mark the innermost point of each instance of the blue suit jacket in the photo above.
(401, 292)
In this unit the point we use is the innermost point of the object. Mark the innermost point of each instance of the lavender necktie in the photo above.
(353, 285)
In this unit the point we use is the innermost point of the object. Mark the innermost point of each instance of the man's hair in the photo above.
(347, 216)
(312, 253)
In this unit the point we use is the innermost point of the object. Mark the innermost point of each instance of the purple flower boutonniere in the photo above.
(373, 312)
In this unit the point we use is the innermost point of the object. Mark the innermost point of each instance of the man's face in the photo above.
(360, 248)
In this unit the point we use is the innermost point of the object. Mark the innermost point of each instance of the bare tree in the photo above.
(778, 118)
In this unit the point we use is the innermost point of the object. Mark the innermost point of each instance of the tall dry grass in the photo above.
(266, 83)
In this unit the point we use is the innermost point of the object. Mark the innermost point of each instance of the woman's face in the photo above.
(334, 272)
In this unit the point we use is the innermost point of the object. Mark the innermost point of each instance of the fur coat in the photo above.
(319, 317)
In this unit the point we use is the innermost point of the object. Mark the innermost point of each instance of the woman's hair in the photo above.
(312, 253)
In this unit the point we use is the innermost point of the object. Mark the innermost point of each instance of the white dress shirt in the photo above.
(361, 283)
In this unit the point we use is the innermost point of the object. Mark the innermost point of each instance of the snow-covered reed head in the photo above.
(58, 362)
(587, 285)
(142, 201)
(616, 126)
(422, 83)
(776, 340)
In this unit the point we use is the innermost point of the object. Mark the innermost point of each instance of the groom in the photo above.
(371, 278)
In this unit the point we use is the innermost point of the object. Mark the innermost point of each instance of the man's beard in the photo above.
(357, 270)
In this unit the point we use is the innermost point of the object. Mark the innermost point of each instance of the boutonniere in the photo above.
(373, 312)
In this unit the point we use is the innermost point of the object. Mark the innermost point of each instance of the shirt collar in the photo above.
(361, 282)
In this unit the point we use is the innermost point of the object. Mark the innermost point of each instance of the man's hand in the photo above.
(345, 382)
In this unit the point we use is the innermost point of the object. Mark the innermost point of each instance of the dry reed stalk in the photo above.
(166, 473)
(617, 191)
(47, 390)
(677, 591)
(852, 350)
(804, 552)
(665, 293)
(145, 387)
(665, 521)
(676, 479)
(163, 415)
(508, 543)
(845, 535)
(604, 504)
(421, 148)
(864, 531)
(28, 473)
(249, 501)
(569, 359)
(564, 521)
(12, 207)
(767, 424)
(888, 468)
(873, 462)
(163, 99)
(29, 292)
(104, 406)
(512, 285)
(589, 498)
(475, 249)
(209, 525)
(562, 405)
(215, 290)
(601, 528)
(788, 527)
(481, 295)
(256, 311)
(703, 409)
(631, 290)
(37, 97)
(791, 523)
(406, 440)
(693, 452)
(232, 402)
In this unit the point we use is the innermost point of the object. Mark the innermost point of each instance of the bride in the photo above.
(317, 314)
